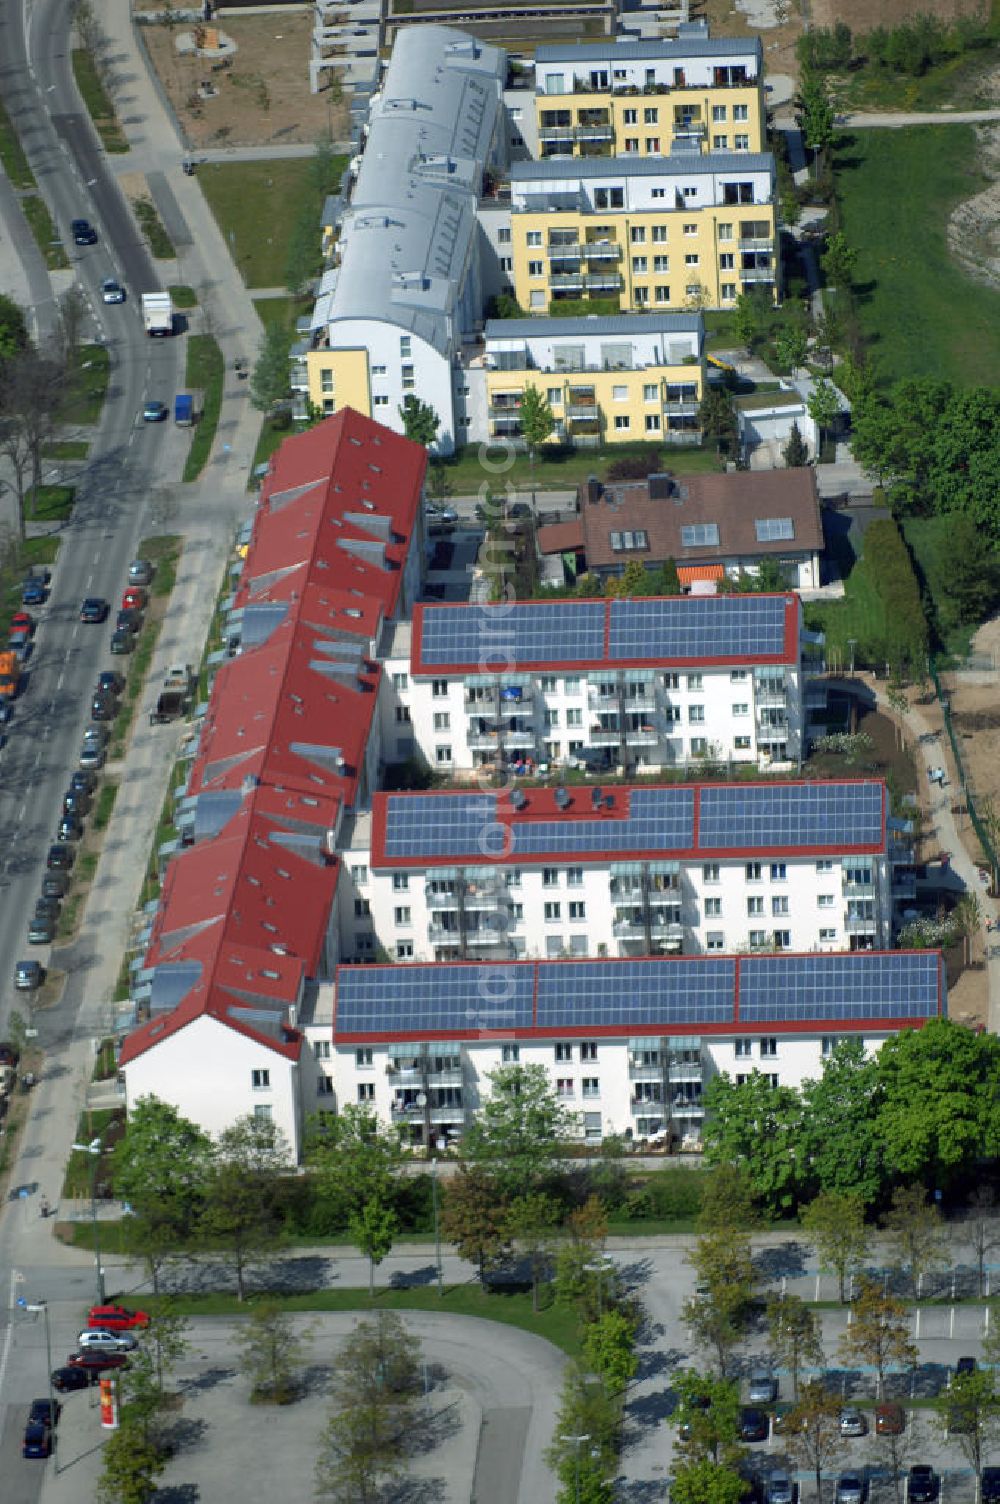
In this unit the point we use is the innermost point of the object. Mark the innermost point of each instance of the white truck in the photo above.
(157, 313)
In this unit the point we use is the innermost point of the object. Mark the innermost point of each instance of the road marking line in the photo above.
(8, 1336)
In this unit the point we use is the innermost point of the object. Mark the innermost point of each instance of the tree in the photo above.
(531, 1222)
(794, 1335)
(32, 392)
(13, 330)
(716, 1316)
(791, 346)
(241, 1207)
(717, 417)
(373, 1230)
(131, 1466)
(520, 1131)
(375, 1389)
(816, 118)
(586, 1410)
(757, 1127)
(609, 1348)
(823, 406)
(634, 580)
(271, 1349)
(583, 1278)
(839, 1140)
(161, 1170)
(878, 1334)
(353, 1158)
(707, 1482)
(836, 1223)
(17, 1031)
(420, 421)
(707, 1416)
(839, 260)
(982, 1223)
(796, 451)
(537, 423)
(812, 1428)
(968, 1412)
(474, 1217)
(165, 1338)
(748, 323)
(916, 1234)
(270, 379)
(727, 1200)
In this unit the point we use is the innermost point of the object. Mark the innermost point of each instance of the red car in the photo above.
(116, 1318)
(94, 1361)
(134, 599)
(22, 623)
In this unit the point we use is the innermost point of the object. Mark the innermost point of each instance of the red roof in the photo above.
(561, 537)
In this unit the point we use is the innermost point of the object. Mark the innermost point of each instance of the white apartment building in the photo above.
(627, 1045)
(643, 684)
(635, 185)
(691, 869)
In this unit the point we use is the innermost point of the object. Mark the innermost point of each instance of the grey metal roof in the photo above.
(646, 51)
(677, 164)
(411, 222)
(623, 323)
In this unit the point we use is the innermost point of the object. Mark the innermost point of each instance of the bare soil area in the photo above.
(263, 99)
(865, 15)
(975, 708)
(778, 41)
(974, 226)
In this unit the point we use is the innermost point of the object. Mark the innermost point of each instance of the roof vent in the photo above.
(518, 798)
(562, 798)
(596, 798)
(661, 485)
(609, 801)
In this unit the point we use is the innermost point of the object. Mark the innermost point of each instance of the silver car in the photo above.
(850, 1489)
(98, 1339)
(780, 1489)
(853, 1423)
(763, 1388)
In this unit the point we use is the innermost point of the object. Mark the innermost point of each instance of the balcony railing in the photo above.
(687, 409)
(602, 250)
(438, 935)
(605, 736)
(555, 133)
(757, 274)
(771, 694)
(644, 701)
(689, 130)
(854, 924)
(628, 929)
(646, 1107)
(771, 725)
(604, 281)
(857, 889)
(641, 736)
(666, 929)
(482, 741)
(566, 279)
(441, 900)
(645, 1072)
(408, 1113)
(756, 244)
(519, 738)
(687, 1107)
(416, 1075)
(570, 250)
(583, 410)
(500, 409)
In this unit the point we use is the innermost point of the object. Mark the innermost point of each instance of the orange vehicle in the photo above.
(10, 674)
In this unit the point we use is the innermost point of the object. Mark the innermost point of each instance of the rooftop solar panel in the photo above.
(791, 816)
(633, 995)
(433, 999)
(673, 629)
(488, 638)
(790, 989)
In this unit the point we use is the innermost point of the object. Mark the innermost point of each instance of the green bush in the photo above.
(670, 1194)
(890, 570)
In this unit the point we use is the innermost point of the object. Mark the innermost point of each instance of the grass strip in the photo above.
(183, 296)
(49, 503)
(93, 370)
(15, 163)
(151, 226)
(40, 224)
(98, 102)
(135, 678)
(105, 804)
(163, 550)
(205, 372)
(66, 449)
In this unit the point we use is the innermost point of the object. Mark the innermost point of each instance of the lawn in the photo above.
(49, 503)
(151, 226)
(40, 224)
(99, 106)
(256, 204)
(283, 311)
(163, 551)
(66, 449)
(927, 539)
(204, 373)
(15, 564)
(922, 315)
(93, 370)
(15, 163)
(860, 616)
(183, 296)
(561, 471)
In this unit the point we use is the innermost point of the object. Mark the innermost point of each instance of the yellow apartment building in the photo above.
(689, 232)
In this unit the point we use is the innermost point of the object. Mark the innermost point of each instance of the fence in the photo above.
(978, 823)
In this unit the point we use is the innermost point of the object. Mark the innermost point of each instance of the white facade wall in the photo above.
(660, 192)
(206, 1070)
(542, 351)
(386, 357)
(721, 713)
(698, 72)
(797, 903)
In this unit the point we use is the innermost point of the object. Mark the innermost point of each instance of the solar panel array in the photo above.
(633, 996)
(790, 816)
(493, 639)
(787, 989)
(697, 627)
(481, 827)
(774, 529)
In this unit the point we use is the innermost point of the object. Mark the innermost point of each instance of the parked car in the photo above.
(60, 857)
(37, 1440)
(922, 1484)
(82, 782)
(35, 590)
(94, 1360)
(112, 291)
(989, 1492)
(45, 1411)
(54, 885)
(109, 682)
(140, 572)
(48, 905)
(853, 1423)
(850, 1489)
(76, 802)
(64, 1379)
(97, 733)
(134, 598)
(128, 621)
(41, 929)
(116, 1318)
(28, 976)
(154, 412)
(763, 1387)
(780, 1489)
(104, 707)
(890, 1419)
(753, 1424)
(70, 828)
(91, 757)
(122, 641)
(102, 1339)
(9, 1054)
(83, 232)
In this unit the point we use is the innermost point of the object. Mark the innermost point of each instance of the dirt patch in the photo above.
(263, 98)
(974, 226)
(778, 41)
(865, 15)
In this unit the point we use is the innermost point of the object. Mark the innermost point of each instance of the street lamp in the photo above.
(34, 1308)
(437, 1225)
(577, 1444)
(94, 1150)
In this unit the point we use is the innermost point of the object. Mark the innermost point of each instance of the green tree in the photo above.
(794, 1335)
(983, 1227)
(165, 1338)
(474, 1217)
(520, 1132)
(241, 1208)
(835, 1221)
(375, 1397)
(839, 260)
(816, 117)
(270, 379)
(878, 1334)
(131, 1466)
(727, 1200)
(272, 1350)
(748, 322)
(537, 424)
(717, 1315)
(583, 1278)
(707, 1482)
(420, 421)
(161, 1168)
(584, 1450)
(609, 1348)
(717, 417)
(633, 580)
(757, 1127)
(707, 1416)
(967, 1412)
(796, 451)
(373, 1230)
(812, 1429)
(915, 1235)
(840, 1142)
(531, 1223)
(17, 1031)
(791, 345)
(823, 406)
(13, 330)
(352, 1159)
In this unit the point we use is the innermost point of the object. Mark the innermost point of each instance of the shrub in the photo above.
(635, 466)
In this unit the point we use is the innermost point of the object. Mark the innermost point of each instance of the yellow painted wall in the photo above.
(645, 123)
(716, 236)
(339, 377)
(614, 394)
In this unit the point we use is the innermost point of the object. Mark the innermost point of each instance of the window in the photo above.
(574, 877)
(363, 1058)
(564, 1087)
(699, 535)
(779, 872)
(640, 265)
(713, 908)
(710, 872)
(401, 914)
(782, 939)
(404, 950)
(400, 882)
(510, 1054)
(550, 877)
(553, 912)
(699, 746)
(378, 370)
(725, 232)
(753, 872)
(442, 720)
(650, 117)
(726, 262)
(718, 113)
(442, 755)
(774, 529)
(661, 263)
(652, 146)
(366, 1091)
(321, 1049)
(728, 291)
(741, 112)
(359, 875)
(533, 237)
(693, 259)
(690, 228)
(824, 865)
(591, 1086)
(536, 269)
(779, 906)
(640, 296)
(755, 906)
(621, 421)
(380, 401)
(757, 939)
(553, 396)
(400, 681)
(637, 235)
(695, 683)
(263, 1113)
(652, 422)
(260, 1080)
(827, 937)
(741, 142)
(744, 1049)
(659, 234)
(720, 143)
(658, 193)
(630, 117)
(503, 235)
(738, 676)
(768, 1049)
(564, 1052)
(828, 1044)
(408, 380)
(551, 719)
(588, 1049)
(506, 263)
(650, 392)
(326, 380)
(402, 713)
(439, 689)
(696, 713)
(715, 940)
(609, 198)
(578, 910)
(619, 394)
(631, 144)
(741, 744)
(741, 709)
(824, 901)
(362, 908)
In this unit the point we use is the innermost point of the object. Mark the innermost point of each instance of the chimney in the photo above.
(592, 491)
(661, 486)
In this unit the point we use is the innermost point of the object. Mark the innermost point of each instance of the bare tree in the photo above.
(983, 1222)
(32, 396)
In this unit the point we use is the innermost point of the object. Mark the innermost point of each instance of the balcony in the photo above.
(854, 924)
(482, 741)
(754, 244)
(566, 281)
(556, 134)
(599, 700)
(771, 725)
(480, 702)
(645, 1072)
(595, 132)
(501, 409)
(689, 130)
(770, 694)
(666, 929)
(567, 250)
(623, 888)
(641, 736)
(644, 701)
(519, 737)
(685, 409)
(857, 889)
(642, 1107)
(757, 274)
(486, 895)
(687, 1107)
(605, 736)
(904, 885)
(437, 900)
(602, 250)
(418, 1075)
(409, 1113)
(583, 412)
(438, 934)
(603, 281)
